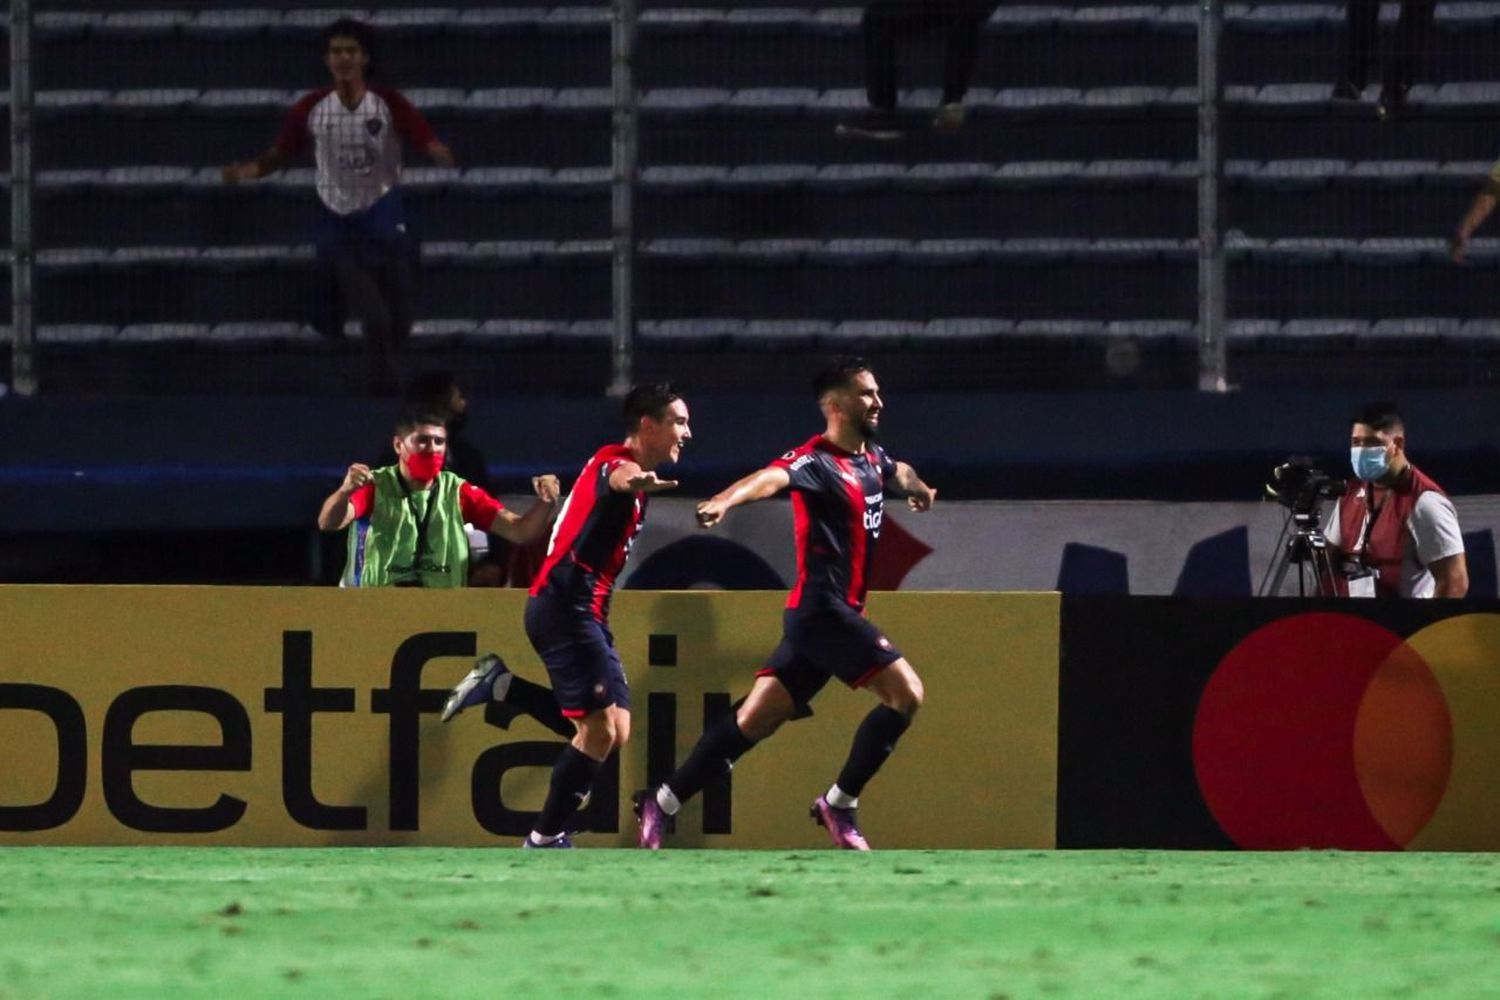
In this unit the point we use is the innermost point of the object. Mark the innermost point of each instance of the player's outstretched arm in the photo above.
(758, 485)
(919, 496)
(337, 511)
(631, 478)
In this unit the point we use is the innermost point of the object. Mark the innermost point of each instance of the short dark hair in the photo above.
(361, 32)
(838, 373)
(1382, 415)
(648, 399)
(412, 417)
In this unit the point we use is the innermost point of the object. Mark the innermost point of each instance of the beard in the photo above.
(869, 429)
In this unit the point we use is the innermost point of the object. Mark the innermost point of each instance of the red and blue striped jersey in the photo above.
(838, 501)
(592, 537)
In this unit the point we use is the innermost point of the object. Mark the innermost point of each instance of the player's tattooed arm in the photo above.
(629, 477)
(758, 485)
(919, 496)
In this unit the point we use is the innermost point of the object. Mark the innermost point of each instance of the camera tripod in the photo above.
(1303, 546)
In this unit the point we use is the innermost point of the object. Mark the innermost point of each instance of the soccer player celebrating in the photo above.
(838, 482)
(567, 614)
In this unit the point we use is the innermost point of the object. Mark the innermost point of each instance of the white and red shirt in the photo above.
(592, 537)
(838, 502)
(358, 150)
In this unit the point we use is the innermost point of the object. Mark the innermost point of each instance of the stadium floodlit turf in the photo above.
(418, 922)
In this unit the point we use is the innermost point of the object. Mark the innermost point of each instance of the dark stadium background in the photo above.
(189, 460)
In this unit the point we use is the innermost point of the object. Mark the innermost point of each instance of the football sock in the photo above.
(502, 685)
(668, 800)
(572, 776)
(841, 799)
(873, 742)
(713, 757)
(537, 701)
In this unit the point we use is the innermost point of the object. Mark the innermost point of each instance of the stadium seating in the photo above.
(793, 278)
(1091, 44)
(531, 126)
(1108, 199)
(759, 230)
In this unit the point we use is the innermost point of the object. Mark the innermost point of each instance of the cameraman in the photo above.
(1404, 539)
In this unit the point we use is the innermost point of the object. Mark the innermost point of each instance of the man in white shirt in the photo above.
(356, 130)
(1395, 524)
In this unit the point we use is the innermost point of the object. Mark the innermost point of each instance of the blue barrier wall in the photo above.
(98, 464)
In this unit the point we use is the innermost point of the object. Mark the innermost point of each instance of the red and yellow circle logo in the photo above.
(1326, 730)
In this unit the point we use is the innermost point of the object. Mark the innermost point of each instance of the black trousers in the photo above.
(377, 283)
(1361, 28)
(888, 22)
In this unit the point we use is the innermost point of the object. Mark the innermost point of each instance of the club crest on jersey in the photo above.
(374, 125)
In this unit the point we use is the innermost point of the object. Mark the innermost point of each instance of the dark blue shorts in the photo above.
(829, 641)
(580, 656)
(378, 233)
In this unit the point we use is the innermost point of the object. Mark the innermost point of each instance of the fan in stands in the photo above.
(356, 130)
(889, 22)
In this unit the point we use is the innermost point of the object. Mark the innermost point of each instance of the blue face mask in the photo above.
(1370, 464)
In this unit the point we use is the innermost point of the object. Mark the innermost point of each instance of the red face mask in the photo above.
(424, 465)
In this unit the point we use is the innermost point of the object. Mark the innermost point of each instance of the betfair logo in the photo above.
(242, 732)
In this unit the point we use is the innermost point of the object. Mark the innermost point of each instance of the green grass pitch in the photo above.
(427, 922)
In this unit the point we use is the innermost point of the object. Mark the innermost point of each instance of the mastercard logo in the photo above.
(1326, 730)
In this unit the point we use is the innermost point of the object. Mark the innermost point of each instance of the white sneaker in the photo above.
(477, 687)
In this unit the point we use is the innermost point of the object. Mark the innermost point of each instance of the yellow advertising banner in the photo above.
(301, 717)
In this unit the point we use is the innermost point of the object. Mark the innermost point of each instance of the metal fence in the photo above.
(1132, 196)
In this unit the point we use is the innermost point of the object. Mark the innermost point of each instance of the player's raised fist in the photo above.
(922, 498)
(547, 488)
